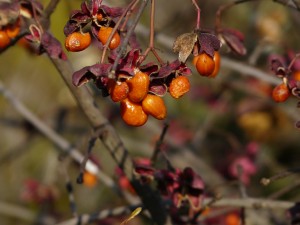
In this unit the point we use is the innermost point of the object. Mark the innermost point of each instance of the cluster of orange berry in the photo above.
(206, 65)
(8, 33)
(78, 40)
(136, 102)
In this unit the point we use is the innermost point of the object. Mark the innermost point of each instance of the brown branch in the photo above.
(48, 132)
(50, 8)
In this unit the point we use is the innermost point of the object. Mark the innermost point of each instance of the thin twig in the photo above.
(225, 7)
(126, 39)
(159, 143)
(151, 46)
(58, 140)
(23, 213)
(253, 203)
(50, 8)
(284, 190)
(284, 174)
(114, 30)
(198, 23)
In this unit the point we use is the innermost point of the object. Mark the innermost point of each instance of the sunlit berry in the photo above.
(4, 39)
(133, 113)
(205, 65)
(232, 219)
(118, 90)
(154, 106)
(296, 75)
(281, 93)
(77, 41)
(179, 86)
(89, 179)
(138, 86)
(104, 34)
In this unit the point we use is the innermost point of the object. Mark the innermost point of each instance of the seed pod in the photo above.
(133, 113)
(104, 34)
(179, 86)
(281, 93)
(154, 106)
(77, 41)
(138, 87)
(205, 65)
(118, 90)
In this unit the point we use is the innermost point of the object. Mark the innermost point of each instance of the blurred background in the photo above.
(220, 122)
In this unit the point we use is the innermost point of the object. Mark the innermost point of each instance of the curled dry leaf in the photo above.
(184, 45)
(209, 43)
(234, 40)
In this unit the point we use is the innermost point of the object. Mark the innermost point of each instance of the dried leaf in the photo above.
(234, 39)
(209, 43)
(184, 44)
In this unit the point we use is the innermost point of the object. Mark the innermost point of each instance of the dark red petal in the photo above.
(209, 43)
(234, 41)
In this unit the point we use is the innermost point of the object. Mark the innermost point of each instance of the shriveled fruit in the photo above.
(104, 34)
(4, 39)
(118, 90)
(89, 179)
(205, 65)
(133, 113)
(281, 93)
(179, 86)
(154, 106)
(77, 41)
(217, 60)
(138, 86)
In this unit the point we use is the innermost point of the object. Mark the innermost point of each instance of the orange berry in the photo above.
(296, 75)
(89, 179)
(138, 86)
(4, 39)
(205, 65)
(179, 86)
(232, 219)
(13, 30)
(104, 34)
(281, 93)
(99, 17)
(217, 60)
(118, 90)
(133, 113)
(154, 106)
(77, 41)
